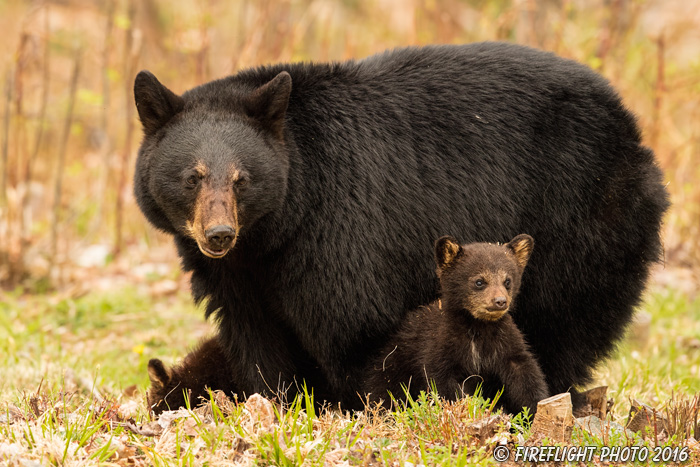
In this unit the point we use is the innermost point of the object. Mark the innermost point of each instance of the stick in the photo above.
(131, 56)
(58, 182)
(6, 137)
(106, 146)
(25, 213)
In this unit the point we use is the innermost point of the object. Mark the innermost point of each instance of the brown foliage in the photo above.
(646, 48)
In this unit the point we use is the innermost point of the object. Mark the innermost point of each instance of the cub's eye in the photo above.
(192, 181)
(506, 283)
(479, 283)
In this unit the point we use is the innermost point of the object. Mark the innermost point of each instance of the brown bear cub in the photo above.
(467, 337)
(170, 386)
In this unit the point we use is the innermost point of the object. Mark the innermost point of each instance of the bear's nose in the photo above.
(500, 302)
(219, 236)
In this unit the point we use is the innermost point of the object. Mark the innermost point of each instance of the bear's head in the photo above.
(481, 278)
(214, 160)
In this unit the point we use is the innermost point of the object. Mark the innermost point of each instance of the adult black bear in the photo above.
(304, 199)
(467, 338)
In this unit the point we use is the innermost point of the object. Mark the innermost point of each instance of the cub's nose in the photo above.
(219, 236)
(500, 302)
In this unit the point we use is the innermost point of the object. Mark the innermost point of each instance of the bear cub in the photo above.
(204, 366)
(467, 337)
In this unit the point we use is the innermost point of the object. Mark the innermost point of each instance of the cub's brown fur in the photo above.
(467, 337)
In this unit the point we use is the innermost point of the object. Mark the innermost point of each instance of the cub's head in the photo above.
(481, 278)
(213, 161)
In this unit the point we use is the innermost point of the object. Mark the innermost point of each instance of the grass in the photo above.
(668, 362)
(74, 378)
(108, 337)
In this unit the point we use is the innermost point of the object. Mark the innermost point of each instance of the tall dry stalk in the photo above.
(106, 143)
(58, 180)
(202, 55)
(4, 217)
(564, 9)
(609, 31)
(25, 213)
(659, 91)
(132, 52)
(9, 84)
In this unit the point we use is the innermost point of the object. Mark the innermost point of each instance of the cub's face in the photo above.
(207, 171)
(481, 278)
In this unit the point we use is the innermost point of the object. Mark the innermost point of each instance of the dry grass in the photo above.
(74, 380)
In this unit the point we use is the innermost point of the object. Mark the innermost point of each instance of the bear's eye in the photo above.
(479, 283)
(506, 283)
(192, 181)
(241, 182)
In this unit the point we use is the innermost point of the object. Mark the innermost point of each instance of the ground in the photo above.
(74, 379)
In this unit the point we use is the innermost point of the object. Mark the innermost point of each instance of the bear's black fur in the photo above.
(331, 180)
(467, 338)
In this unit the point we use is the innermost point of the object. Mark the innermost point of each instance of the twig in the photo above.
(58, 182)
(106, 146)
(659, 89)
(132, 52)
(25, 213)
(6, 136)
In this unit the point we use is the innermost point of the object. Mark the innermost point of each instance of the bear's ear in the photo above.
(268, 103)
(447, 249)
(155, 103)
(158, 374)
(521, 246)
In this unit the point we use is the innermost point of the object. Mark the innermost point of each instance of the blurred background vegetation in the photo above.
(69, 132)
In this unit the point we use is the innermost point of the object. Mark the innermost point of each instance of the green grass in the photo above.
(108, 337)
(667, 363)
(54, 350)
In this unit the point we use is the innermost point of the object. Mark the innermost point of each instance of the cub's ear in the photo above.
(155, 103)
(447, 249)
(521, 246)
(158, 374)
(268, 103)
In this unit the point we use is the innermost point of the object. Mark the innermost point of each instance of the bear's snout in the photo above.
(500, 302)
(219, 237)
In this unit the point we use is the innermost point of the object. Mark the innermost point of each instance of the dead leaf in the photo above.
(147, 429)
(261, 414)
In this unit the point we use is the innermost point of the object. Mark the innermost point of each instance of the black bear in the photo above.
(304, 197)
(466, 338)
